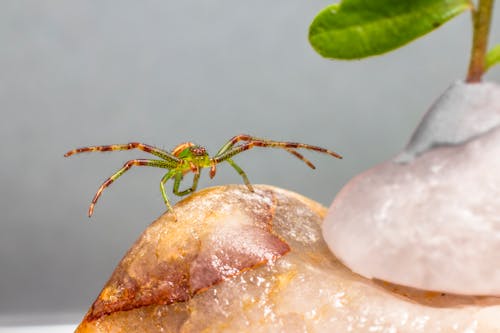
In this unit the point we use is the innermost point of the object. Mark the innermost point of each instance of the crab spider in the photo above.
(188, 157)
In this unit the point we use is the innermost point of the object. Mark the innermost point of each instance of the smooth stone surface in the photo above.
(463, 112)
(304, 290)
(430, 219)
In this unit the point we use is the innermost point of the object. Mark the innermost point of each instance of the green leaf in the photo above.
(356, 29)
(493, 57)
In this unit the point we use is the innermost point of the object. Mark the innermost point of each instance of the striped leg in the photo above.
(234, 140)
(244, 137)
(300, 156)
(193, 187)
(126, 167)
(132, 145)
(273, 144)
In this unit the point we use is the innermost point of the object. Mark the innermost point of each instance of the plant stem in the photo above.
(481, 18)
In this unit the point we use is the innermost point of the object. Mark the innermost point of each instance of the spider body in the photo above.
(188, 157)
(192, 157)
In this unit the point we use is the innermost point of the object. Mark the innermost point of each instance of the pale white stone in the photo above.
(430, 219)
(463, 112)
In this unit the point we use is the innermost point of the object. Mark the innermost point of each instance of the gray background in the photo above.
(76, 73)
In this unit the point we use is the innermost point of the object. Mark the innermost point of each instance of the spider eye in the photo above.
(198, 151)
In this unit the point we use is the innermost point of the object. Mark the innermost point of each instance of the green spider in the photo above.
(188, 157)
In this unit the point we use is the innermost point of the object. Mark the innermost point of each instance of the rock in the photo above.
(256, 262)
(463, 112)
(430, 219)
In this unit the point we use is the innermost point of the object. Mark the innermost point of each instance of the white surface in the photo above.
(460, 114)
(434, 222)
(39, 329)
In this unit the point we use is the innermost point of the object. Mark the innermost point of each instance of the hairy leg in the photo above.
(132, 145)
(241, 173)
(125, 168)
(165, 178)
(249, 139)
(300, 156)
(273, 144)
(193, 187)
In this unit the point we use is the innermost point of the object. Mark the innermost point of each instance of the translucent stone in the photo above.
(430, 219)
(256, 262)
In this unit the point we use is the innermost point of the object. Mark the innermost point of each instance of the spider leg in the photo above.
(273, 144)
(125, 168)
(244, 137)
(132, 145)
(234, 140)
(241, 173)
(300, 156)
(167, 176)
(193, 187)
